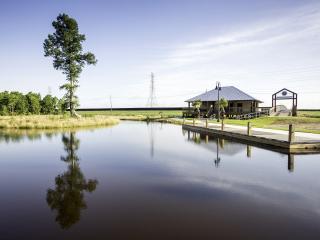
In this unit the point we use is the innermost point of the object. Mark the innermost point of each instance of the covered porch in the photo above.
(233, 109)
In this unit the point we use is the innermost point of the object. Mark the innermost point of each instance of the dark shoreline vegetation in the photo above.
(17, 103)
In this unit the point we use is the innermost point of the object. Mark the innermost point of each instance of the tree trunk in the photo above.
(71, 102)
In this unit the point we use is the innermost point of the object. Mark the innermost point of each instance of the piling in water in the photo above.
(249, 129)
(291, 136)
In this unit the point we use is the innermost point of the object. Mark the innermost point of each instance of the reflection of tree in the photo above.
(68, 196)
(18, 135)
(71, 145)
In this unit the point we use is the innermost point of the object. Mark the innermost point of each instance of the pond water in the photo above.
(153, 181)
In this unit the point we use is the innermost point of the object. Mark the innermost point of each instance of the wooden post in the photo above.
(222, 124)
(193, 122)
(184, 120)
(249, 128)
(207, 138)
(206, 123)
(291, 136)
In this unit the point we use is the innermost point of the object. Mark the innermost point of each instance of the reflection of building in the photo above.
(220, 147)
(211, 142)
(215, 144)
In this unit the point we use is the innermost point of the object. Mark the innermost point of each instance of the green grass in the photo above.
(135, 115)
(302, 124)
(310, 114)
(54, 121)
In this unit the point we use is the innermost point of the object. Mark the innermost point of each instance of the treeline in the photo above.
(14, 103)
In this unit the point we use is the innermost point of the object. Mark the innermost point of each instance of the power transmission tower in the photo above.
(152, 97)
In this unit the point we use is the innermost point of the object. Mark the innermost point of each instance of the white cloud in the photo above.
(282, 51)
(300, 24)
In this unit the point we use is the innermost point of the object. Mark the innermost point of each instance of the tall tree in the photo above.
(65, 46)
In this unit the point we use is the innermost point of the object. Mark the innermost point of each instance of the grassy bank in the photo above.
(279, 123)
(302, 124)
(54, 121)
(307, 121)
(310, 114)
(135, 115)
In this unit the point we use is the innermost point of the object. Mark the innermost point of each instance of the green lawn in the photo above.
(302, 124)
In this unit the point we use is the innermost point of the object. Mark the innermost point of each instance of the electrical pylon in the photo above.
(152, 96)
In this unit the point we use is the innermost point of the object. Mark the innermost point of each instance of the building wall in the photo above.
(246, 106)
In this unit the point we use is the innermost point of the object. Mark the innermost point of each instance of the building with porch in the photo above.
(239, 102)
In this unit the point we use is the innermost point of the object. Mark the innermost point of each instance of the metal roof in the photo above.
(229, 93)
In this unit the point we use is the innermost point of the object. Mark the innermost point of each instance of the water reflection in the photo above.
(245, 198)
(249, 147)
(217, 160)
(219, 143)
(290, 162)
(151, 137)
(67, 198)
(18, 135)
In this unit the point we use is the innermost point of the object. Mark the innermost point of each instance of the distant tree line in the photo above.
(16, 103)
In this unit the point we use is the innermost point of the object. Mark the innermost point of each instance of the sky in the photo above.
(259, 46)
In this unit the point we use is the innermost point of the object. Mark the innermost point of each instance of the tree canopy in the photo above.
(196, 105)
(223, 104)
(14, 103)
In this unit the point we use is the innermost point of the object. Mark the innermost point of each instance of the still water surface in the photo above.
(153, 181)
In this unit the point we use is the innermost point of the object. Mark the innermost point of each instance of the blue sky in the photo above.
(257, 46)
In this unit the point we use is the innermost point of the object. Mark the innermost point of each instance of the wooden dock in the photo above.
(282, 141)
